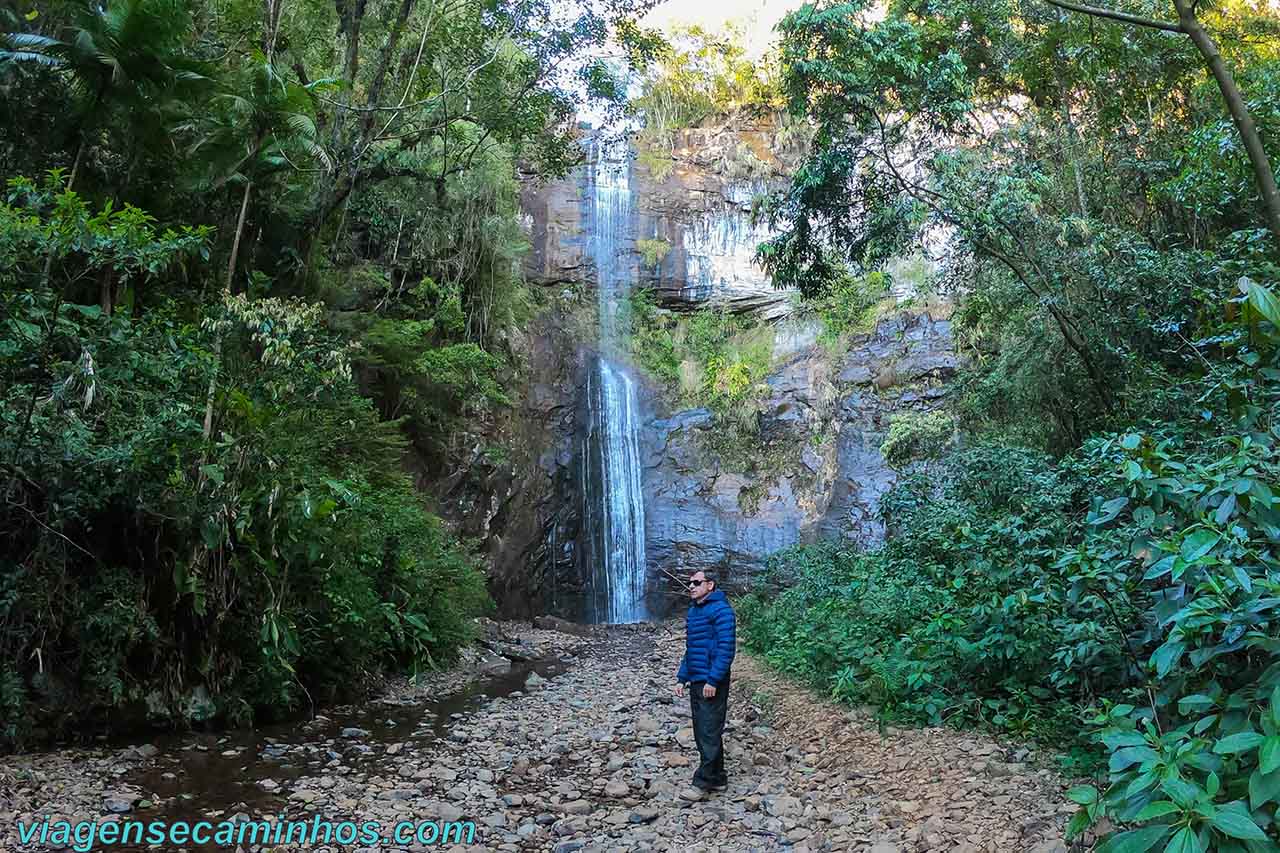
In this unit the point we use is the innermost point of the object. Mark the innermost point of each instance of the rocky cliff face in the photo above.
(692, 229)
(817, 471)
(514, 488)
(820, 434)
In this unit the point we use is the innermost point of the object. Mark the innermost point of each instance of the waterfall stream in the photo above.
(611, 479)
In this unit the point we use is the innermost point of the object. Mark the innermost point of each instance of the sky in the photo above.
(756, 17)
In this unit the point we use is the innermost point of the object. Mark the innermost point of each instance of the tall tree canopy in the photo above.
(251, 252)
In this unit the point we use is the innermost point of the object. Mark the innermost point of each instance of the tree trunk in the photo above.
(217, 344)
(75, 164)
(106, 291)
(1190, 26)
(1262, 171)
(235, 243)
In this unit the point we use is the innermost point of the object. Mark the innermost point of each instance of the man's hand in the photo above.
(708, 691)
(679, 690)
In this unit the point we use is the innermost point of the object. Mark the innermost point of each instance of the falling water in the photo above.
(611, 487)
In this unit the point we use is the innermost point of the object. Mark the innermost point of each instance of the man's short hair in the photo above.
(711, 575)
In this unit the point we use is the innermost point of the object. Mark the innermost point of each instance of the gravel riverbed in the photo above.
(581, 746)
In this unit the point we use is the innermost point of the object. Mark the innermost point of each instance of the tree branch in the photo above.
(1113, 15)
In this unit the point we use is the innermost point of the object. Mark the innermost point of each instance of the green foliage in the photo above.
(710, 357)
(849, 306)
(652, 251)
(950, 620)
(1081, 252)
(1094, 234)
(701, 74)
(917, 435)
(698, 77)
(1136, 576)
(286, 554)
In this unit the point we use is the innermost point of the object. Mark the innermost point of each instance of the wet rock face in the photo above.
(823, 424)
(513, 486)
(692, 207)
(820, 471)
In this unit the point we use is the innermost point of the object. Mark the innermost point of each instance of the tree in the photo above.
(1190, 25)
(260, 126)
(119, 53)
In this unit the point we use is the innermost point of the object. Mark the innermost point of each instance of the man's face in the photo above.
(699, 586)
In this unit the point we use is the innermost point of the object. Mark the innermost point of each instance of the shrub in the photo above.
(153, 565)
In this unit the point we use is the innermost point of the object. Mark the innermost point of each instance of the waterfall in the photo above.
(611, 474)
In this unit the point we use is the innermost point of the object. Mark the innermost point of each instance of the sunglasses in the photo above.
(693, 583)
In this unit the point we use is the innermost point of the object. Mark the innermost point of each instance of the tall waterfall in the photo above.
(611, 474)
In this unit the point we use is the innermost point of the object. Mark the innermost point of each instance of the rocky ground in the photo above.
(594, 757)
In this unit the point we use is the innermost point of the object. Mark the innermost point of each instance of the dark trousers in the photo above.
(708, 732)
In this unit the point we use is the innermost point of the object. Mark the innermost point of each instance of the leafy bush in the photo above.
(1137, 577)
(914, 435)
(726, 356)
(194, 510)
(701, 74)
(849, 306)
(950, 619)
(652, 251)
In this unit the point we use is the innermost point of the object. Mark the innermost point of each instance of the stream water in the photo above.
(218, 776)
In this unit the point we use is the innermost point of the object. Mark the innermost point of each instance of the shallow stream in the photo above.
(240, 775)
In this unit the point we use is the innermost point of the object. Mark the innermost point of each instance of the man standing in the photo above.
(710, 640)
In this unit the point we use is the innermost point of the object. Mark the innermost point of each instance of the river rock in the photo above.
(833, 787)
(118, 803)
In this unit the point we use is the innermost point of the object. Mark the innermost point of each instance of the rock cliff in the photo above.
(817, 471)
(820, 472)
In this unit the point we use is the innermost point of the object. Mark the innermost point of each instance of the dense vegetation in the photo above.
(703, 78)
(250, 255)
(1102, 554)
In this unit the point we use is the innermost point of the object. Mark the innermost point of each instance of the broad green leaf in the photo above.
(1167, 656)
(1225, 509)
(1193, 703)
(30, 331)
(1181, 791)
(1198, 544)
(1083, 794)
(1117, 738)
(1237, 825)
(1204, 723)
(1159, 808)
(1263, 788)
(1130, 755)
(1183, 841)
(1134, 841)
(1079, 823)
(1262, 300)
(1269, 754)
(1160, 568)
(1242, 578)
(1109, 510)
(1238, 742)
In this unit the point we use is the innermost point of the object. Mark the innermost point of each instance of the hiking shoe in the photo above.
(693, 794)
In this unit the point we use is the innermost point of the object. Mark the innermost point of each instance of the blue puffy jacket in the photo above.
(710, 640)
